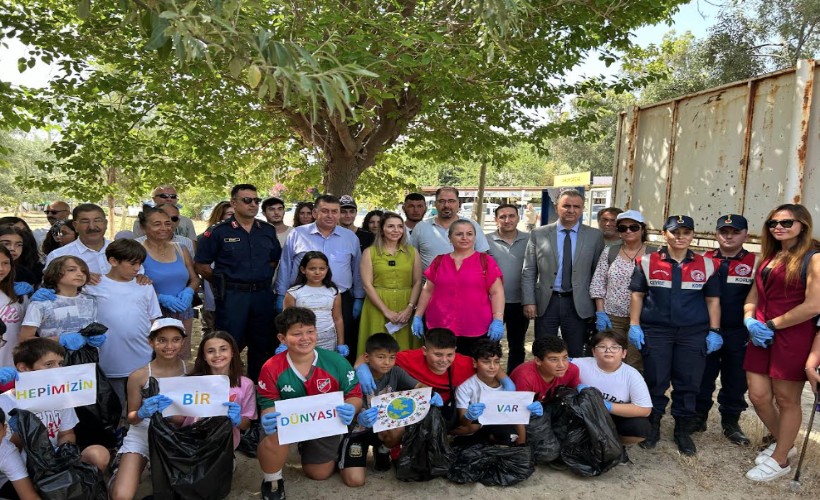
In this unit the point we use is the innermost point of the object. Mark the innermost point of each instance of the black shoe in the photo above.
(268, 493)
(732, 430)
(655, 435)
(624, 457)
(381, 459)
(699, 422)
(683, 436)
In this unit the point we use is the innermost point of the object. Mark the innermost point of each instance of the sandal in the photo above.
(767, 452)
(768, 470)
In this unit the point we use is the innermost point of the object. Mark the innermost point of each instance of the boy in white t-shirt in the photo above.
(14, 480)
(487, 363)
(626, 395)
(127, 309)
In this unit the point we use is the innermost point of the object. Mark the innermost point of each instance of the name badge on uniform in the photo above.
(231, 240)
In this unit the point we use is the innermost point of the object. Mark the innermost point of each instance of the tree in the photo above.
(346, 79)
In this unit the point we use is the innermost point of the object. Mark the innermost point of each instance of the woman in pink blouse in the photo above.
(463, 292)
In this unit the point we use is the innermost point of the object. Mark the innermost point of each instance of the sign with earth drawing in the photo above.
(400, 409)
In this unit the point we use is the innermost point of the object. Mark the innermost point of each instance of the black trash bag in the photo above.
(491, 465)
(57, 474)
(249, 439)
(425, 450)
(591, 446)
(190, 462)
(541, 438)
(98, 422)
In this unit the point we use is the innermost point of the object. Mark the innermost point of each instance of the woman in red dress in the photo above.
(780, 312)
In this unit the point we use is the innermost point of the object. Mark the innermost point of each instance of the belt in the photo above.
(563, 294)
(248, 287)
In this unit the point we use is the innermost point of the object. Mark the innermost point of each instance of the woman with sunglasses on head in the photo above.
(610, 283)
(780, 314)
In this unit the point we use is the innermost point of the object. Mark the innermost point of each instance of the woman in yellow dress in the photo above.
(391, 274)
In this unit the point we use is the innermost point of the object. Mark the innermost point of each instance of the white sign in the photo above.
(57, 388)
(400, 409)
(310, 417)
(201, 396)
(503, 407)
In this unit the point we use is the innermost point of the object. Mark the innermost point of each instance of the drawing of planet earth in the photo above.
(401, 408)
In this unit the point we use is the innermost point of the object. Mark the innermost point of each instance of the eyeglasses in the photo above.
(634, 228)
(166, 196)
(784, 223)
(175, 218)
(53, 212)
(249, 201)
(608, 348)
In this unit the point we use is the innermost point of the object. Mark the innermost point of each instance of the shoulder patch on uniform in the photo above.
(210, 230)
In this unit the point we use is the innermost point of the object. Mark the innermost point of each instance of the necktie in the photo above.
(566, 264)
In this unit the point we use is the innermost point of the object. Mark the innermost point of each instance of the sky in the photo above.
(696, 16)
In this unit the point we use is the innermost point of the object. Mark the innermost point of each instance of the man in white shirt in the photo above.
(55, 212)
(91, 224)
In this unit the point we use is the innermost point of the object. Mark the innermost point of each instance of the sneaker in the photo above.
(768, 470)
(767, 452)
(268, 493)
(382, 459)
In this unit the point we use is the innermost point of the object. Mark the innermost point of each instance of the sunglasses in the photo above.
(784, 223)
(167, 196)
(248, 200)
(632, 228)
(175, 218)
(53, 212)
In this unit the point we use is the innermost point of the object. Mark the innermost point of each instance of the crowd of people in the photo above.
(406, 302)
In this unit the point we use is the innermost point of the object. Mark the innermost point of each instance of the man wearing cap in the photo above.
(347, 219)
(736, 269)
(674, 317)
(244, 252)
(608, 224)
(167, 195)
(559, 262)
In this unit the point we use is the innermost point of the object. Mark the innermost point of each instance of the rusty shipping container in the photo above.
(744, 148)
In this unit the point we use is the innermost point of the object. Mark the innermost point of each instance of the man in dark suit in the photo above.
(558, 266)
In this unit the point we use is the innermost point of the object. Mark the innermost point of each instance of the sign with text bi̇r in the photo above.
(502, 407)
(57, 388)
(196, 396)
(310, 417)
(400, 409)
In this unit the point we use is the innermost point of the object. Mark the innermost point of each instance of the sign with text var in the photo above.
(57, 388)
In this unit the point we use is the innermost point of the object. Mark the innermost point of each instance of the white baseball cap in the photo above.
(168, 323)
(630, 214)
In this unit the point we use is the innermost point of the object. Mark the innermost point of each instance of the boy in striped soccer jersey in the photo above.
(302, 370)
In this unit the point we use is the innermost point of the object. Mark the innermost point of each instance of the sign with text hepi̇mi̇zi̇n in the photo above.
(400, 409)
(196, 396)
(57, 388)
(310, 417)
(502, 407)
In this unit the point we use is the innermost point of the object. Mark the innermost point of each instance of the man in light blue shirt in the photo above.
(341, 246)
(430, 237)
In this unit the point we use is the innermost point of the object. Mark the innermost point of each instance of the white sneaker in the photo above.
(768, 470)
(766, 453)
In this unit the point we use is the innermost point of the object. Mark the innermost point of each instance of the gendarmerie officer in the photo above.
(244, 251)
(735, 267)
(675, 300)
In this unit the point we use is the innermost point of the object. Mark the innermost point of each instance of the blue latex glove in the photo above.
(496, 330)
(346, 412)
(171, 303)
(72, 341)
(636, 336)
(536, 408)
(280, 304)
(417, 327)
(7, 374)
(234, 412)
(186, 296)
(268, 421)
(507, 384)
(608, 405)
(474, 410)
(713, 342)
(154, 404)
(357, 308)
(22, 288)
(581, 387)
(602, 321)
(96, 340)
(343, 350)
(368, 417)
(282, 348)
(44, 295)
(436, 400)
(760, 334)
(366, 380)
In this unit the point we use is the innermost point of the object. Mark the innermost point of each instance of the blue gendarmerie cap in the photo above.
(732, 220)
(677, 221)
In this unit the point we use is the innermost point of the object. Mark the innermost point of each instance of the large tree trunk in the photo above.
(341, 176)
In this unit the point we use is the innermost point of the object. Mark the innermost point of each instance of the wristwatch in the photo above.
(770, 325)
